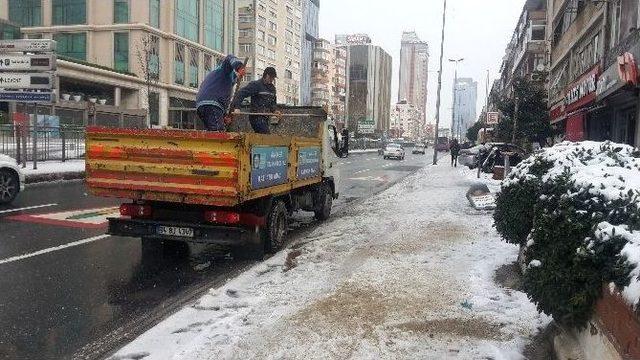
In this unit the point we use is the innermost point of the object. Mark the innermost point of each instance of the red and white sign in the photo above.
(82, 219)
(493, 118)
(628, 68)
(583, 90)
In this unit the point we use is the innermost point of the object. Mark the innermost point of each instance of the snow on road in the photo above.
(407, 274)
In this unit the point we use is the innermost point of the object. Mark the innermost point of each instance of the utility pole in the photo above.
(435, 142)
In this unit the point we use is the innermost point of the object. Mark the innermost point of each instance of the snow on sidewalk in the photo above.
(54, 167)
(407, 274)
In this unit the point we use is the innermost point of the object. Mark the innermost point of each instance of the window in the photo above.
(26, 12)
(261, 7)
(154, 13)
(245, 19)
(194, 67)
(260, 49)
(154, 108)
(121, 51)
(272, 54)
(208, 64)
(72, 45)
(213, 22)
(537, 32)
(289, 35)
(187, 23)
(245, 48)
(262, 21)
(289, 22)
(289, 10)
(154, 57)
(272, 40)
(179, 68)
(273, 14)
(69, 12)
(273, 26)
(261, 35)
(288, 48)
(120, 11)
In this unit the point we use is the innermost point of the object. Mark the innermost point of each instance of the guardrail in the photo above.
(41, 143)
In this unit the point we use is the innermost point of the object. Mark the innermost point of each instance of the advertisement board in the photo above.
(268, 166)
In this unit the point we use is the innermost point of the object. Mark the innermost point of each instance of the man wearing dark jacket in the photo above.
(215, 93)
(263, 100)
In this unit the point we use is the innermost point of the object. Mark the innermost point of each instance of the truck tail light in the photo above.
(135, 210)
(222, 217)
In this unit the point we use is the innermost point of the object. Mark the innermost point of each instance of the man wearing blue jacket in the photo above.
(215, 93)
(263, 100)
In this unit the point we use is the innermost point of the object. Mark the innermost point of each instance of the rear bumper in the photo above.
(206, 234)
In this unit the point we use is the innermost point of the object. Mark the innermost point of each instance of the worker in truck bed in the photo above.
(215, 93)
(263, 100)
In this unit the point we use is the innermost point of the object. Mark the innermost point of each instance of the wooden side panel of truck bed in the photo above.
(190, 167)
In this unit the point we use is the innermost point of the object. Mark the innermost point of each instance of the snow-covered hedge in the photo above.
(581, 205)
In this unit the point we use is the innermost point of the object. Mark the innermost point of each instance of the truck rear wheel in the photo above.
(325, 203)
(277, 226)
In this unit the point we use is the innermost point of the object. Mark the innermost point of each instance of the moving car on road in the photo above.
(420, 148)
(11, 179)
(395, 151)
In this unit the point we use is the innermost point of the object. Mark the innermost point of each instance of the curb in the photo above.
(43, 178)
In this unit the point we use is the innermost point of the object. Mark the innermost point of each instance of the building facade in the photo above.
(464, 107)
(414, 72)
(328, 81)
(339, 84)
(311, 33)
(270, 34)
(368, 97)
(143, 54)
(406, 121)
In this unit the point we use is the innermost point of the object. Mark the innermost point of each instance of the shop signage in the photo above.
(27, 62)
(493, 118)
(30, 97)
(582, 91)
(26, 81)
(624, 72)
(27, 45)
(628, 68)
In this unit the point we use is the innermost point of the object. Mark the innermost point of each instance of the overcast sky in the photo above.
(477, 30)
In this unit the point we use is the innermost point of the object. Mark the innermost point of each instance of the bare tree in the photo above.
(150, 66)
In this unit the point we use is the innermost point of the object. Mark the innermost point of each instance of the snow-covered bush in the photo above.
(584, 225)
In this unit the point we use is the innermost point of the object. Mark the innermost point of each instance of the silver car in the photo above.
(395, 151)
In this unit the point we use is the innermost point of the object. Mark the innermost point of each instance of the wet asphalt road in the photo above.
(68, 292)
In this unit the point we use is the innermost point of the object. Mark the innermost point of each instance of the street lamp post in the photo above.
(455, 96)
(435, 142)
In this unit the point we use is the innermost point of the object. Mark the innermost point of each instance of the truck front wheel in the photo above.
(325, 203)
(277, 226)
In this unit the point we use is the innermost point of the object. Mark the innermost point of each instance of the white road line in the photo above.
(52, 249)
(26, 208)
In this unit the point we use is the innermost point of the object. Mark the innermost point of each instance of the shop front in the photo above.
(617, 99)
(573, 113)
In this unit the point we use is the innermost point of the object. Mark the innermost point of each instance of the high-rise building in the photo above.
(339, 84)
(368, 100)
(464, 107)
(414, 72)
(328, 81)
(270, 34)
(406, 121)
(142, 54)
(311, 12)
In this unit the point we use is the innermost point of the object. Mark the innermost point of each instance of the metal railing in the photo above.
(26, 143)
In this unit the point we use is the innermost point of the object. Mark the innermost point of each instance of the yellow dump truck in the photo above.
(236, 189)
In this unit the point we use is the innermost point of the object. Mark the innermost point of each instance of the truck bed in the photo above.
(198, 167)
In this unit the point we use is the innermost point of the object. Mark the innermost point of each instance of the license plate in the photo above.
(175, 231)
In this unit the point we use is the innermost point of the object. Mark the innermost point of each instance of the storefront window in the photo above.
(69, 12)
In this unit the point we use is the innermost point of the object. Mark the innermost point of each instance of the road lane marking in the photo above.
(27, 208)
(361, 171)
(52, 249)
(81, 219)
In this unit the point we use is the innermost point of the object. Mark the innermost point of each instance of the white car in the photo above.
(11, 179)
(393, 151)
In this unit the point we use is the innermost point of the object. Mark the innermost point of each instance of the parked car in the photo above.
(11, 180)
(490, 154)
(420, 148)
(395, 151)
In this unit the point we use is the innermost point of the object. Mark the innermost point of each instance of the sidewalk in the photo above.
(408, 274)
(54, 171)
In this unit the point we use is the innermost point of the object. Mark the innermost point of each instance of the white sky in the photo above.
(477, 30)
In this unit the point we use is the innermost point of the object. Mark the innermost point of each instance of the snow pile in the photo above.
(55, 167)
(607, 169)
(406, 274)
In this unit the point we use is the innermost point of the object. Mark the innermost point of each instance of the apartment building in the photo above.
(131, 54)
(311, 34)
(270, 34)
(328, 81)
(464, 107)
(406, 121)
(414, 72)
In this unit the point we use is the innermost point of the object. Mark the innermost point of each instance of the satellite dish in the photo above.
(540, 67)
